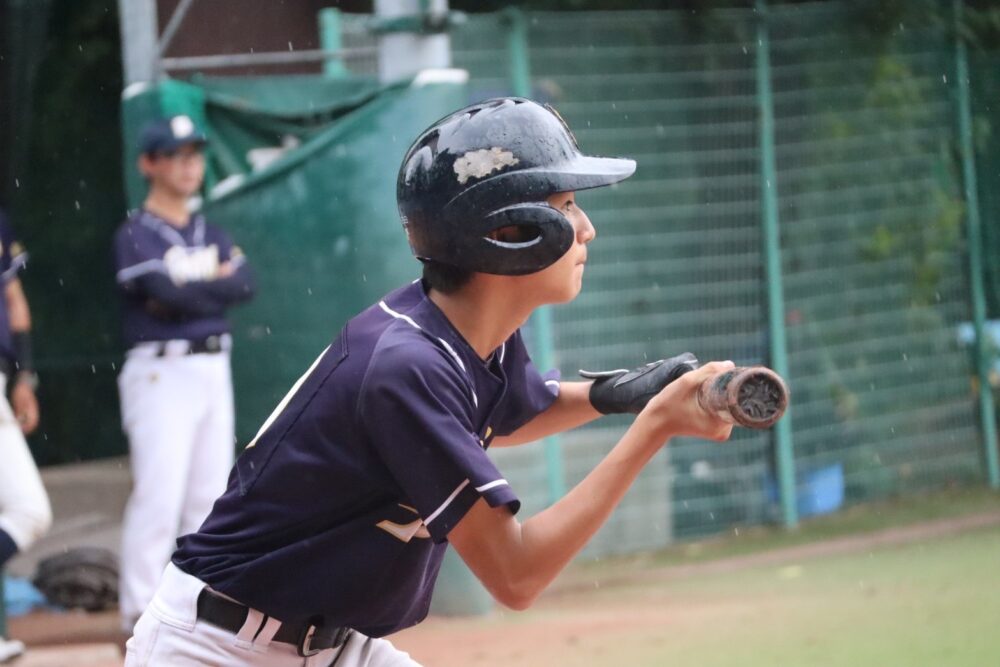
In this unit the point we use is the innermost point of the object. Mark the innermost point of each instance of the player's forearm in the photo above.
(236, 288)
(171, 300)
(519, 564)
(572, 408)
(18, 313)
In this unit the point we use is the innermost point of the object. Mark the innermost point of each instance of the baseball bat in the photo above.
(751, 396)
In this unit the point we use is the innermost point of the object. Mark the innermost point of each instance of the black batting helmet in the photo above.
(489, 166)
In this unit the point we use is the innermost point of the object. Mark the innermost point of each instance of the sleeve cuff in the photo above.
(496, 493)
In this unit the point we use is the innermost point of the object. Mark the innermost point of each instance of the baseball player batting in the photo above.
(338, 513)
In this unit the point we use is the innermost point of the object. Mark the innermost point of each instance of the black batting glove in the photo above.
(620, 391)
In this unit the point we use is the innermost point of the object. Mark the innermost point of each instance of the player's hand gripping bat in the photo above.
(754, 396)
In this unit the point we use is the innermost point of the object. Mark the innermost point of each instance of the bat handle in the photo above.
(751, 396)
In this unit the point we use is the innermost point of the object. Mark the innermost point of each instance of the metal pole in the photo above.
(137, 22)
(265, 58)
(173, 25)
(975, 240)
(329, 40)
(772, 255)
(541, 321)
(403, 54)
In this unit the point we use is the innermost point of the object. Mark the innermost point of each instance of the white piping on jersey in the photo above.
(149, 266)
(503, 350)
(398, 316)
(288, 397)
(552, 383)
(447, 502)
(491, 485)
(449, 348)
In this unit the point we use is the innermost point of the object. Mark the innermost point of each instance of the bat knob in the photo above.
(754, 397)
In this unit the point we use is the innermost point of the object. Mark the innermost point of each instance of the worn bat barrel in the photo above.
(753, 396)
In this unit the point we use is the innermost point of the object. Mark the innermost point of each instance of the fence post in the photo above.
(541, 321)
(772, 257)
(329, 39)
(974, 232)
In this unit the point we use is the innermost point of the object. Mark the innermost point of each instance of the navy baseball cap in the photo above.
(166, 135)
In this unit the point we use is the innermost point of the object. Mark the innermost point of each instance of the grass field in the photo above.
(934, 602)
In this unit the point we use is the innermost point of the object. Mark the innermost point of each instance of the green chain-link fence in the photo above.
(872, 236)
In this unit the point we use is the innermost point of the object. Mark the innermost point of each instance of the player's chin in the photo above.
(570, 291)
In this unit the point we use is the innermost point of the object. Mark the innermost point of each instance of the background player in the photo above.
(25, 513)
(338, 513)
(178, 275)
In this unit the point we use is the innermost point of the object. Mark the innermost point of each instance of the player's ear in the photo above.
(145, 164)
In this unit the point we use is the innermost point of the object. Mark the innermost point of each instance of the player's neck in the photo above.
(172, 208)
(484, 316)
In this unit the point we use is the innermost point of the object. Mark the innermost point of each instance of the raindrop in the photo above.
(290, 46)
(77, 204)
(944, 77)
(309, 291)
(17, 183)
(364, 278)
(267, 330)
(93, 369)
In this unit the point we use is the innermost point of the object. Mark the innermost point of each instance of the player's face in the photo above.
(180, 173)
(562, 281)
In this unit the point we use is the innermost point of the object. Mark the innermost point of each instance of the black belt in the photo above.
(309, 639)
(210, 345)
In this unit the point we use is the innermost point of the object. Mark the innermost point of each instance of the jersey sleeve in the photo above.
(415, 408)
(135, 256)
(12, 254)
(529, 392)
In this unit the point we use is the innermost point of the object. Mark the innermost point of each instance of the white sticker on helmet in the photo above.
(476, 164)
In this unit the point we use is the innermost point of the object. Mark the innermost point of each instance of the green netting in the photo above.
(872, 234)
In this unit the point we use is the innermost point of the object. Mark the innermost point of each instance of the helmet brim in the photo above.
(585, 172)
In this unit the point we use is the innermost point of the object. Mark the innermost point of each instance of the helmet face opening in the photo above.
(473, 188)
(515, 236)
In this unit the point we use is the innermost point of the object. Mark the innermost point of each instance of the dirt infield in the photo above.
(629, 610)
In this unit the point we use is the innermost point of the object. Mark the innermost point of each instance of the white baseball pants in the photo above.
(177, 412)
(169, 634)
(25, 513)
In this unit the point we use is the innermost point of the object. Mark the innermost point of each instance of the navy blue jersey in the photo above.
(341, 506)
(167, 276)
(12, 259)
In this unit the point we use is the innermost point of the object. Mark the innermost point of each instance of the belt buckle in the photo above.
(304, 647)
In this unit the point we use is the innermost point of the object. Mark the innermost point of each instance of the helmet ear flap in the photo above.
(542, 235)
